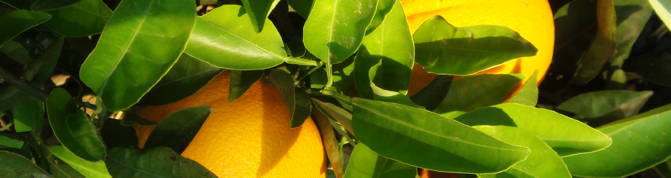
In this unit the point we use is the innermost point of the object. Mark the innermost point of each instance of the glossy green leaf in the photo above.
(601, 48)
(663, 10)
(296, 99)
(335, 28)
(29, 115)
(19, 21)
(72, 127)
(473, 92)
(610, 104)
(448, 50)
(528, 95)
(140, 43)
(302, 7)
(49, 5)
(85, 18)
(653, 68)
(425, 139)
(433, 94)
(565, 135)
(381, 94)
(17, 52)
(332, 111)
(86, 168)
(14, 165)
(259, 11)
(331, 144)
(186, 77)
(116, 135)
(227, 32)
(128, 162)
(130, 119)
(241, 81)
(632, 15)
(383, 8)
(178, 129)
(9, 142)
(62, 169)
(42, 68)
(391, 45)
(542, 161)
(639, 143)
(366, 163)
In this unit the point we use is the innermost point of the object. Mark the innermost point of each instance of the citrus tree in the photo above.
(334, 88)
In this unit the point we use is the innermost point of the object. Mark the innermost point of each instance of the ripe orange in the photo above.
(532, 19)
(250, 137)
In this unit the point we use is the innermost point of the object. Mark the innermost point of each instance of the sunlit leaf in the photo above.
(528, 94)
(29, 115)
(663, 10)
(366, 163)
(86, 168)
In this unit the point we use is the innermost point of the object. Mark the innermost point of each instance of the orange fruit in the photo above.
(532, 19)
(250, 137)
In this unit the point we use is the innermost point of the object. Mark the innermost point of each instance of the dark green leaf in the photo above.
(41, 69)
(116, 135)
(657, 69)
(29, 115)
(366, 163)
(391, 45)
(17, 21)
(296, 99)
(576, 28)
(11, 96)
(19, 4)
(178, 129)
(227, 32)
(72, 127)
(14, 165)
(86, 168)
(85, 18)
(565, 135)
(334, 112)
(9, 142)
(130, 119)
(336, 28)
(473, 92)
(601, 48)
(140, 43)
(17, 52)
(542, 161)
(386, 95)
(259, 11)
(186, 77)
(154, 162)
(383, 8)
(425, 139)
(302, 7)
(632, 15)
(639, 143)
(445, 49)
(606, 104)
(241, 81)
(49, 5)
(528, 94)
(433, 94)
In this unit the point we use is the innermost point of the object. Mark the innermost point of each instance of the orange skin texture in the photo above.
(532, 19)
(250, 137)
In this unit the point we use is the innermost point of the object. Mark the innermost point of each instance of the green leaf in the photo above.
(391, 45)
(433, 94)
(178, 129)
(606, 104)
(302, 7)
(72, 127)
(542, 161)
(296, 99)
(331, 144)
(565, 135)
(444, 49)
(19, 21)
(11, 96)
(9, 142)
(227, 31)
(130, 119)
(336, 28)
(17, 52)
(576, 28)
(86, 168)
(473, 92)
(116, 135)
(655, 68)
(383, 8)
(366, 163)
(29, 115)
(632, 15)
(425, 139)
(528, 94)
(49, 5)
(185, 78)
(241, 81)
(386, 95)
(601, 48)
(663, 10)
(334, 112)
(14, 165)
(639, 143)
(140, 43)
(85, 18)
(19, 4)
(154, 162)
(41, 69)
(59, 169)
(259, 11)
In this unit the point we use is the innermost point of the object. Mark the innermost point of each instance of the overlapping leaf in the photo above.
(129, 162)
(86, 168)
(366, 163)
(613, 104)
(18, 21)
(84, 18)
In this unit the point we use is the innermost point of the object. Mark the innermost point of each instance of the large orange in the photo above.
(532, 19)
(250, 137)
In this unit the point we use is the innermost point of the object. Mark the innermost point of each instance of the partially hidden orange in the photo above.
(250, 137)
(532, 19)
